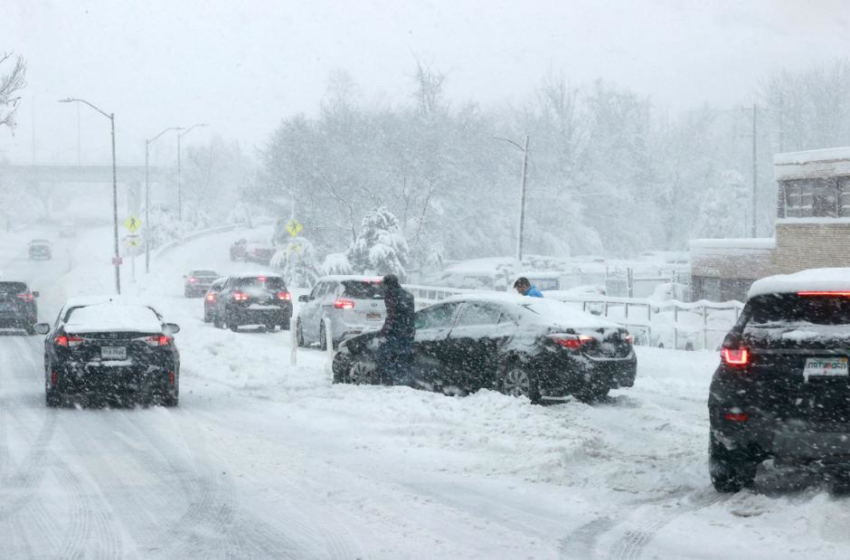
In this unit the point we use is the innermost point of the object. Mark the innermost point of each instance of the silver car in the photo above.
(354, 305)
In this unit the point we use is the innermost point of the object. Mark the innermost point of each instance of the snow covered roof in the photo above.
(113, 317)
(746, 243)
(814, 279)
(541, 310)
(809, 156)
(814, 163)
(347, 277)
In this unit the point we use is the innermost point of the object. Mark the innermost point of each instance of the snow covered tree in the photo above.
(336, 263)
(380, 246)
(297, 263)
(10, 84)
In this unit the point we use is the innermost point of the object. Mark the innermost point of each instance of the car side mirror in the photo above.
(35, 294)
(42, 328)
(304, 299)
(172, 328)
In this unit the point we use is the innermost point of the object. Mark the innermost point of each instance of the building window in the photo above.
(844, 197)
(821, 198)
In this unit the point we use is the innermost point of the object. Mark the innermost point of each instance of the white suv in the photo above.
(354, 305)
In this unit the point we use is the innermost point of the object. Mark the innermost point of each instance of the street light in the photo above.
(522, 191)
(179, 186)
(148, 197)
(116, 260)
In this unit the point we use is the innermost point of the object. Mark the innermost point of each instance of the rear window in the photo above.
(782, 309)
(204, 273)
(13, 287)
(272, 283)
(360, 289)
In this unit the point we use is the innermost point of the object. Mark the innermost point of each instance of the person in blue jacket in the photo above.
(524, 287)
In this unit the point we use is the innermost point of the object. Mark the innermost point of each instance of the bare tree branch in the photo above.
(10, 84)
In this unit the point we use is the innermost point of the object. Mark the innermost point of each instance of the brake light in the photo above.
(240, 296)
(68, 340)
(571, 341)
(825, 293)
(210, 297)
(261, 278)
(157, 340)
(629, 339)
(735, 357)
(284, 296)
(192, 279)
(736, 416)
(26, 296)
(344, 304)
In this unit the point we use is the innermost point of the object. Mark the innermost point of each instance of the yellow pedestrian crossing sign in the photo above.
(133, 224)
(294, 227)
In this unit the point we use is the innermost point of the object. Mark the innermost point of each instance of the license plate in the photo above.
(825, 367)
(373, 316)
(113, 353)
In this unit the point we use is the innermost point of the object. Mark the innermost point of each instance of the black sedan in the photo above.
(198, 282)
(541, 349)
(253, 299)
(18, 309)
(109, 349)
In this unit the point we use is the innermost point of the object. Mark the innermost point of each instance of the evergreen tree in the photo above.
(380, 246)
(297, 263)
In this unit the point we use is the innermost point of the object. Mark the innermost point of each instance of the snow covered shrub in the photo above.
(297, 263)
(380, 247)
(336, 263)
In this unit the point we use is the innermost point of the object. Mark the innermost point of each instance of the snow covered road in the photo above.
(262, 460)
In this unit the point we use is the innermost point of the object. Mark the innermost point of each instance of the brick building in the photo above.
(812, 229)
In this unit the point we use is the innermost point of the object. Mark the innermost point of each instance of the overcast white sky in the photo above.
(243, 66)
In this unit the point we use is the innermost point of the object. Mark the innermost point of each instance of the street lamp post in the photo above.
(147, 224)
(179, 185)
(522, 192)
(116, 260)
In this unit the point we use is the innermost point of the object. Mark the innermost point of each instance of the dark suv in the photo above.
(253, 300)
(18, 309)
(782, 389)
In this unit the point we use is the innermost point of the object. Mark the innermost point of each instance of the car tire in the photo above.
(230, 320)
(30, 329)
(270, 326)
(731, 470)
(323, 343)
(284, 325)
(517, 381)
(217, 323)
(362, 372)
(592, 393)
(299, 334)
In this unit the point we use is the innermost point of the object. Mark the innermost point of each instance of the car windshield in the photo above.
(13, 287)
(271, 283)
(363, 289)
(205, 273)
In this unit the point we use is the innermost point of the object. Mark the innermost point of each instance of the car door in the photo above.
(310, 318)
(433, 325)
(475, 341)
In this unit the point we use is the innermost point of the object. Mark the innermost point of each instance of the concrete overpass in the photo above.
(80, 173)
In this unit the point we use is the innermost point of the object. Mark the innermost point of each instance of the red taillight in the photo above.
(571, 341)
(344, 304)
(158, 340)
(192, 279)
(261, 278)
(171, 378)
(68, 340)
(736, 416)
(54, 378)
(735, 357)
(210, 297)
(284, 296)
(629, 339)
(26, 296)
(824, 293)
(240, 296)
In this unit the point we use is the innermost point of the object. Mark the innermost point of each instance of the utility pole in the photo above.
(753, 228)
(147, 224)
(522, 191)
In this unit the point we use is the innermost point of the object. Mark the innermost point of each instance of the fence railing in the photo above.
(665, 324)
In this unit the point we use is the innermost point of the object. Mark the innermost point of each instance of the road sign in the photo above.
(295, 248)
(294, 227)
(133, 241)
(133, 224)
(117, 260)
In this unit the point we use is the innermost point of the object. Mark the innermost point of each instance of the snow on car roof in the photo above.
(814, 279)
(349, 277)
(542, 310)
(486, 265)
(113, 317)
(255, 274)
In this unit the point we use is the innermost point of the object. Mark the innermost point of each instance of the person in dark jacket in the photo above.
(396, 351)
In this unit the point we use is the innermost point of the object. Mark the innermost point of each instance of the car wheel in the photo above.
(53, 398)
(730, 470)
(363, 373)
(30, 329)
(217, 323)
(232, 325)
(323, 342)
(284, 325)
(299, 334)
(516, 381)
(270, 326)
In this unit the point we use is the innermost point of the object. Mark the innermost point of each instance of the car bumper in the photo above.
(116, 380)
(561, 376)
(258, 316)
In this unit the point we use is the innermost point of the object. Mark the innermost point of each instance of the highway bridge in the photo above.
(79, 173)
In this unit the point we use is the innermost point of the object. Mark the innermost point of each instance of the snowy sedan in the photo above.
(537, 348)
(110, 349)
